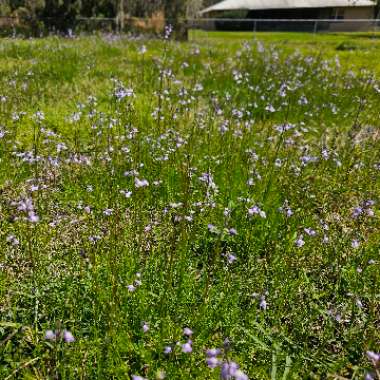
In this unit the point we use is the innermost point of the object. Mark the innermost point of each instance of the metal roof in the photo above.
(228, 5)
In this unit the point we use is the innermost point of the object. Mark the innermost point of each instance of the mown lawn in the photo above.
(160, 200)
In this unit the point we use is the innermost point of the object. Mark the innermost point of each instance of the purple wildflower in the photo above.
(232, 231)
(357, 212)
(187, 331)
(355, 243)
(68, 337)
(141, 183)
(228, 370)
(213, 229)
(310, 232)
(231, 258)
(50, 335)
(213, 362)
(255, 210)
(212, 352)
(373, 356)
(240, 375)
(137, 377)
(187, 348)
(263, 303)
(300, 242)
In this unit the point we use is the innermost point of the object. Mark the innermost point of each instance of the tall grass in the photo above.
(147, 192)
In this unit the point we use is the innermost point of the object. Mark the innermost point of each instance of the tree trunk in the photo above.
(120, 18)
(175, 12)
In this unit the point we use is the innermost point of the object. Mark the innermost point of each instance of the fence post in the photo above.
(254, 28)
(315, 26)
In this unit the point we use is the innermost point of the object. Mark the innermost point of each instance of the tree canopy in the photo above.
(100, 8)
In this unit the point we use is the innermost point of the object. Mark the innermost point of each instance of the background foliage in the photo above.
(102, 8)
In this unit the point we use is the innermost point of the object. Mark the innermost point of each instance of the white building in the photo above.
(296, 10)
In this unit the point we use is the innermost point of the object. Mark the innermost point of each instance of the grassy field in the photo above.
(356, 50)
(178, 210)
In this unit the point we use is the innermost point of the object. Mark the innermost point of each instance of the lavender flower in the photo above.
(141, 183)
(263, 303)
(50, 335)
(355, 244)
(137, 377)
(187, 348)
(231, 258)
(232, 231)
(213, 229)
(310, 232)
(68, 337)
(357, 212)
(300, 242)
(187, 332)
(212, 352)
(142, 49)
(12, 240)
(228, 370)
(240, 375)
(373, 356)
(168, 31)
(255, 210)
(212, 362)
(33, 217)
(122, 92)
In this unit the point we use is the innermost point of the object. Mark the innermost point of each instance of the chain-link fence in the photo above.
(193, 28)
(286, 25)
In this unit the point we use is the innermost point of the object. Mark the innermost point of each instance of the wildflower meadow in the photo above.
(194, 210)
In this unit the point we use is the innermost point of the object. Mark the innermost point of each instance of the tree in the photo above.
(193, 8)
(5, 8)
(120, 17)
(60, 14)
(175, 14)
(63, 14)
